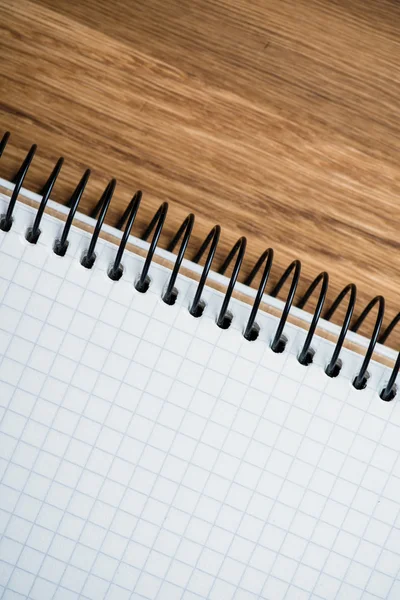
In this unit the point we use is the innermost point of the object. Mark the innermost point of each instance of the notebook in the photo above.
(150, 451)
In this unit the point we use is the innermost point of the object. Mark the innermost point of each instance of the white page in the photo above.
(149, 454)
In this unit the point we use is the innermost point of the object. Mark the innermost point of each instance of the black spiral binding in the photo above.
(224, 318)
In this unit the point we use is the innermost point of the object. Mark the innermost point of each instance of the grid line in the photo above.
(239, 460)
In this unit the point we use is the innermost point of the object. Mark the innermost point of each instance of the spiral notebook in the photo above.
(155, 446)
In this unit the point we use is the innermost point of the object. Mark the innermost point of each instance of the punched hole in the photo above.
(171, 299)
(280, 347)
(31, 237)
(362, 384)
(335, 370)
(198, 311)
(115, 274)
(59, 248)
(88, 261)
(143, 288)
(226, 321)
(254, 333)
(308, 359)
(5, 224)
(390, 396)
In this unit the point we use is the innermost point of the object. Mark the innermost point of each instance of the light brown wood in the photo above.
(278, 119)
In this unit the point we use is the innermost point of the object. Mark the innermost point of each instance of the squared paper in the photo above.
(148, 454)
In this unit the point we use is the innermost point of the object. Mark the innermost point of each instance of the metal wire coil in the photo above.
(237, 252)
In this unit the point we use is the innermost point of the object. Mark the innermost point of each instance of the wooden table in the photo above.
(278, 119)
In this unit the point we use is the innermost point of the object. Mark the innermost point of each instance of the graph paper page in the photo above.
(147, 454)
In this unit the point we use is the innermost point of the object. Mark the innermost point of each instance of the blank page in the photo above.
(149, 454)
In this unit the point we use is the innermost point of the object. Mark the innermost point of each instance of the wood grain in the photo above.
(278, 119)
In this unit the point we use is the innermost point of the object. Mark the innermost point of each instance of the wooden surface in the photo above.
(278, 119)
